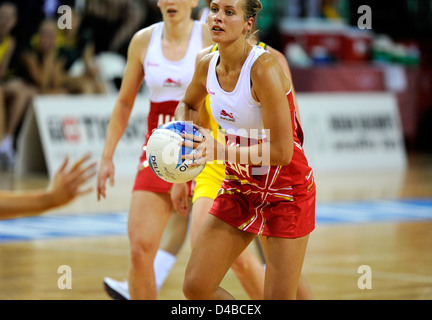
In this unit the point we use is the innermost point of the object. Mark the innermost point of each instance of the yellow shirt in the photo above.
(4, 46)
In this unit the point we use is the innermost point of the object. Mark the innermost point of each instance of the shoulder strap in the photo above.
(214, 48)
(262, 44)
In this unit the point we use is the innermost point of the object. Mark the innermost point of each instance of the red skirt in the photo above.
(265, 207)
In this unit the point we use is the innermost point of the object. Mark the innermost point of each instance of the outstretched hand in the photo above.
(66, 184)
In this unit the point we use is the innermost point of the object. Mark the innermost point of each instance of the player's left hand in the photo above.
(208, 148)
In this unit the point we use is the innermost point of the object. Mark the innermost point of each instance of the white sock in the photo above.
(163, 263)
(7, 143)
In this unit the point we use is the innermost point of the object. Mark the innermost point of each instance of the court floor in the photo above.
(380, 222)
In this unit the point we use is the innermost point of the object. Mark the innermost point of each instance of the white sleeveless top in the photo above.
(168, 80)
(236, 110)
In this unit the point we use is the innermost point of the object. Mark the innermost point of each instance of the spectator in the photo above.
(29, 14)
(42, 62)
(78, 51)
(51, 52)
(113, 22)
(15, 94)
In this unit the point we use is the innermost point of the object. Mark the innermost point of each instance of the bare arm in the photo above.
(201, 117)
(132, 80)
(270, 86)
(65, 187)
(39, 73)
(179, 191)
(59, 76)
(285, 67)
(132, 21)
(195, 93)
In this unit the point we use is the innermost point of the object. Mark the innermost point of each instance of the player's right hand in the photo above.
(106, 171)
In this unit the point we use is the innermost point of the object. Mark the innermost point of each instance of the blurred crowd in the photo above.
(80, 47)
(65, 46)
(61, 47)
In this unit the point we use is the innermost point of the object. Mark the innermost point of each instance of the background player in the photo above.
(164, 56)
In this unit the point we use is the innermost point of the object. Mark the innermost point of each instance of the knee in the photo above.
(142, 250)
(192, 290)
(195, 289)
(189, 290)
(241, 265)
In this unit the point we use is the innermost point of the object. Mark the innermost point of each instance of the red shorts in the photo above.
(147, 180)
(264, 209)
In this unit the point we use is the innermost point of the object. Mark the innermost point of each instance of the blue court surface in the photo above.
(52, 226)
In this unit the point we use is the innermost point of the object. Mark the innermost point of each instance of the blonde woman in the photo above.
(163, 55)
(249, 92)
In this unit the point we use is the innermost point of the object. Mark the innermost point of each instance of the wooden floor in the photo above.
(398, 253)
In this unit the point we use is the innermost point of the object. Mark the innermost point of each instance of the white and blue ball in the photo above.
(164, 153)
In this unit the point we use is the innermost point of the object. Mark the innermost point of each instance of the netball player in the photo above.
(164, 56)
(249, 90)
(247, 267)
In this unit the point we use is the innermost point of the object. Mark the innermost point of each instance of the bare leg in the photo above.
(216, 248)
(19, 96)
(171, 243)
(284, 264)
(148, 216)
(174, 234)
(250, 272)
(247, 267)
(304, 291)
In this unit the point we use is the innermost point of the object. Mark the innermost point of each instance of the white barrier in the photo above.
(352, 131)
(75, 125)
